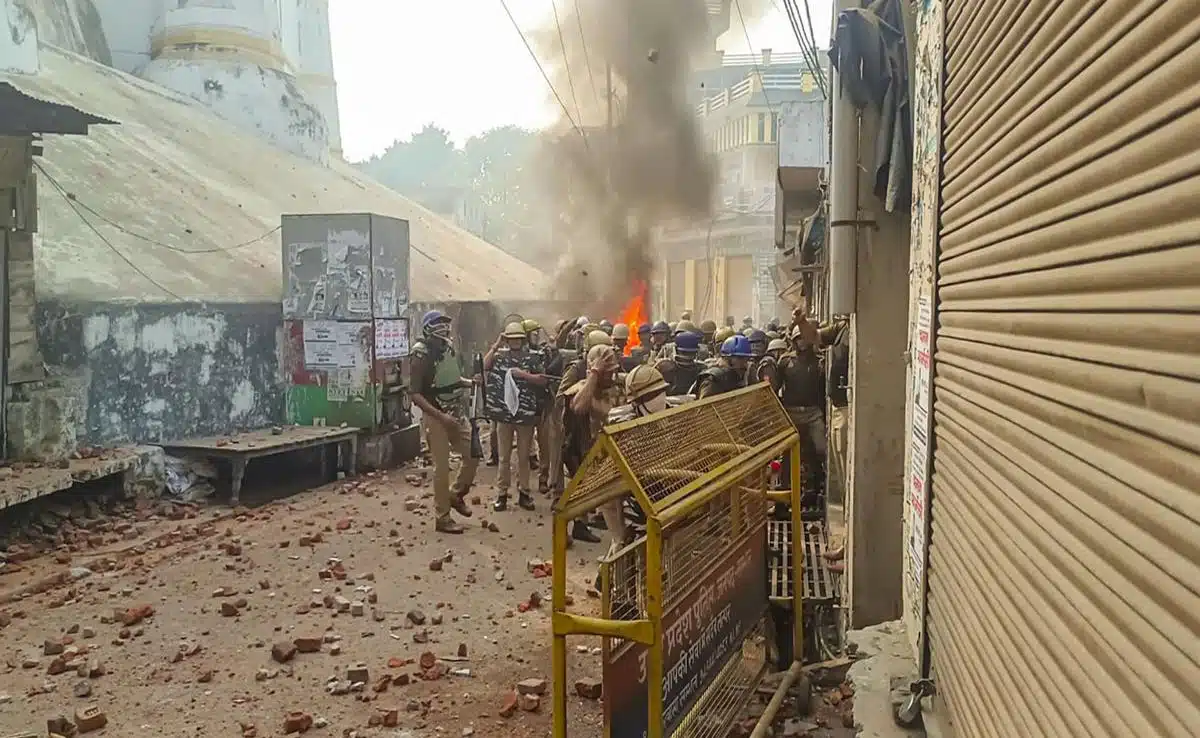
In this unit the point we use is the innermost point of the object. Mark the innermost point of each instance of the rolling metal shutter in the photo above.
(1064, 574)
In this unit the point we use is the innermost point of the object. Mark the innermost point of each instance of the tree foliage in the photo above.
(486, 184)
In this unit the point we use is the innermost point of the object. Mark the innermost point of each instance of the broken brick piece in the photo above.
(589, 689)
(297, 722)
(509, 706)
(307, 645)
(283, 652)
(529, 702)
(390, 716)
(135, 615)
(90, 718)
(532, 686)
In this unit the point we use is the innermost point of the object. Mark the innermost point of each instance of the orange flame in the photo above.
(634, 314)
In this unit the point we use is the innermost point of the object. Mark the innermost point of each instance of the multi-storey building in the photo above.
(726, 267)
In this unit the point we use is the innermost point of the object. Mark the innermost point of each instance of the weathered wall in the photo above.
(18, 38)
(927, 156)
(128, 25)
(265, 101)
(802, 134)
(73, 25)
(150, 373)
(875, 500)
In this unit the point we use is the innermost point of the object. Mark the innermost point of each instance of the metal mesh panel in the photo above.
(694, 544)
(669, 451)
(624, 579)
(729, 693)
(598, 480)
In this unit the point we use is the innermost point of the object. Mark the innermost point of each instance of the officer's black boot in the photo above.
(501, 503)
(525, 500)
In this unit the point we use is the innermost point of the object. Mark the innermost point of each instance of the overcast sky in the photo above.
(460, 64)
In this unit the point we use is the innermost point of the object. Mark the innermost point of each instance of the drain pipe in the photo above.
(762, 728)
(843, 194)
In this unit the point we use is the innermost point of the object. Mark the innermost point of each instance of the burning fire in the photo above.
(634, 314)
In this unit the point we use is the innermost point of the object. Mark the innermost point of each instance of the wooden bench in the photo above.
(237, 450)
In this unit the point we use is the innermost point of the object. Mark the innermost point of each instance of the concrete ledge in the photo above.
(24, 482)
(887, 663)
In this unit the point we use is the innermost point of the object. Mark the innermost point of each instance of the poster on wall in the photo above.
(391, 339)
(918, 444)
(320, 344)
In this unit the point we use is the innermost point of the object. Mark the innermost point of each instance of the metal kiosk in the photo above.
(683, 607)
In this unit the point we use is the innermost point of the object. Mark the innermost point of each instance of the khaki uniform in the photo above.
(505, 434)
(602, 404)
(438, 379)
(839, 438)
(549, 442)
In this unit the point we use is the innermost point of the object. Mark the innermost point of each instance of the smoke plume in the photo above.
(612, 189)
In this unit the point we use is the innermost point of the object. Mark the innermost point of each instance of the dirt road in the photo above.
(191, 627)
(336, 608)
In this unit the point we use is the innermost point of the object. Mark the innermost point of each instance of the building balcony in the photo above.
(718, 16)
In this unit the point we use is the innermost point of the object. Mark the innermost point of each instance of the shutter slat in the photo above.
(1166, 156)
(1154, 220)
(1064, 549)
(1092, 113)
(1157, 341)
(1111, 676)
(1108, 562)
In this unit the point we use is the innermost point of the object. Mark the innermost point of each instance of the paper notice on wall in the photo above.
(338, 389)
(352, 349)
(320, 344)
(918, 444)
(359, 301)
(391, 339)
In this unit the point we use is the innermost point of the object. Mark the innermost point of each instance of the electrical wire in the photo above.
(562, 42)
(806, 38)
(587, 59)
(104, 239)
(76, 202)
(533, 55)
(757, 69)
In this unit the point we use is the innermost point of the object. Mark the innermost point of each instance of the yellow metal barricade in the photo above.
(683, 606)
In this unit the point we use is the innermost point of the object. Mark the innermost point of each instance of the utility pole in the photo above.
(609, 89)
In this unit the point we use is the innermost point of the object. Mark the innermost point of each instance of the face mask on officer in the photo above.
(651, 405)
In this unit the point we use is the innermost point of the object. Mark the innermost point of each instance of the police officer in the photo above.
(620, 339)
(439, 390)
(681, 370)
(647, 390)
(606, 326)
(730, 372)
(641, 352)
(660, 334)
(758, 349)
(526, 368)
(721, 336)
(837, 336)
(547, 432)
(708, 330)
(802, 392)
(574, 373)
(586, 404)
(766, 368)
